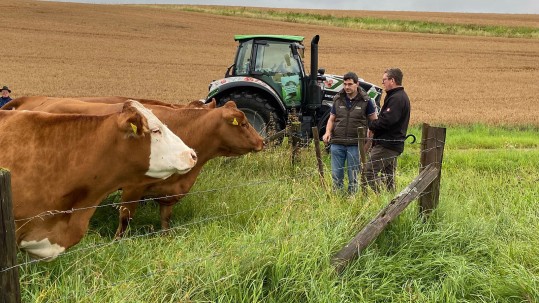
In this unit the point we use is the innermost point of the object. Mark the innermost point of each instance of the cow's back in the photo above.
(120, 99)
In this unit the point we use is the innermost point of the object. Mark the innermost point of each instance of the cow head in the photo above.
(238, 135)
(169, 154)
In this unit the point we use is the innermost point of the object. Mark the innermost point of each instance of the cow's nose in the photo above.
(261, 145)
(194, 156)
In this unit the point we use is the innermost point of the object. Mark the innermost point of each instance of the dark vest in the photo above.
(348, 120)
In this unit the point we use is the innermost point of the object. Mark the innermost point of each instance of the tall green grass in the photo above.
(368, 23)
(257, 229)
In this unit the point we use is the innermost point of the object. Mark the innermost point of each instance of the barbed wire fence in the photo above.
(9, 269)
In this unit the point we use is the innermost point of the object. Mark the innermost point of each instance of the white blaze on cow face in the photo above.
(169, 154)
(42, 249)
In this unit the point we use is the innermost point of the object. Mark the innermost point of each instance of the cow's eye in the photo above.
(156, 131)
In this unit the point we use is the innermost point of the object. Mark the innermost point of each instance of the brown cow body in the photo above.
(118, 99)
(216, 135)
(63, 165)
(62, 105)
(69, 105)
(212, 132)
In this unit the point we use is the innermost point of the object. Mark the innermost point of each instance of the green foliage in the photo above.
(259, 229)
(369, 23)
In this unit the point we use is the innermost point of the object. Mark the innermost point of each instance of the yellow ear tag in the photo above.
(235, 122)
(134, 127)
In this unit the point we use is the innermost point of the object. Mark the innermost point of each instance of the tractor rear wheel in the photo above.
(257, 109)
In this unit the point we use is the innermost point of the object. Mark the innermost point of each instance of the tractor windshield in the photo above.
(275, 57)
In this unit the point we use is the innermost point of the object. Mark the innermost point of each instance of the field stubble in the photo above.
(68, 49)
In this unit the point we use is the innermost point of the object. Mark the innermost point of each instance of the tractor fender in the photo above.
(220, 87)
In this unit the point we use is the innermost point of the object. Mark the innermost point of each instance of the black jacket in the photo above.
(392, 124)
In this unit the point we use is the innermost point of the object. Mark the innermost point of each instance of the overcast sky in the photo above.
(466, 6)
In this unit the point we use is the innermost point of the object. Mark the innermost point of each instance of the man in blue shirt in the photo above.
(5, 96)
(352, 108)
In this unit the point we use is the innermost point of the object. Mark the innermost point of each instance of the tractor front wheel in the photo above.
(257, 109)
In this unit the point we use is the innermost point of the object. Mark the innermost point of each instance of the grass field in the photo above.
(255, 228)
(370, 21)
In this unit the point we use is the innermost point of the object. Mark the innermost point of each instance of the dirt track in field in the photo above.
(68, 49)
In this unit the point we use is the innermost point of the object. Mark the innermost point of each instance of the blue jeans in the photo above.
(345, 157)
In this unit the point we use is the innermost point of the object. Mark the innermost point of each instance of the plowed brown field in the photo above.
(68, 49)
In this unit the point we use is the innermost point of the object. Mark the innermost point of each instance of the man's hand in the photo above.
(368, 141)
(367, 146)
(326, 137)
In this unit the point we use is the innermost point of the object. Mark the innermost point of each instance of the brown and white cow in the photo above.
(223, 131)
(212, 132)
(63, 165)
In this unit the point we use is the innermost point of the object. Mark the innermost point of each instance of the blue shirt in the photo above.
(4, 100)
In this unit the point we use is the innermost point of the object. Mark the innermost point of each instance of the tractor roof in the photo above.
(269, 37)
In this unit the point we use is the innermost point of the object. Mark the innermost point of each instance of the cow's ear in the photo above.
(231, 104)
(212, 104)
(235, 118)
(132, 122)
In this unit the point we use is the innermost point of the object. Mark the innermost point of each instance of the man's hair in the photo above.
(351, 76)
(394, 73)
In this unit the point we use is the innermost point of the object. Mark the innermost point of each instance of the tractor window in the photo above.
(275, 57)
(243, 60)
(277, 66)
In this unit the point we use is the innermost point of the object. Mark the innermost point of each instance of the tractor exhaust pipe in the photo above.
(314, 100)
(314, 58)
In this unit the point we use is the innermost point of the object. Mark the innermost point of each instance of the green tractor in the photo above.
(268, 81)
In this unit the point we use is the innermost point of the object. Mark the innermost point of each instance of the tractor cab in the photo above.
(276, 60)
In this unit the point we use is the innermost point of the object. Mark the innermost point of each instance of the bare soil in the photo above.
(69, 49)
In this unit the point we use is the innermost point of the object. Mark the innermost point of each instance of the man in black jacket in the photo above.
(389, 132)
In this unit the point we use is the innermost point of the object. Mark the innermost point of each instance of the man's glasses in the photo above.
(385, 79)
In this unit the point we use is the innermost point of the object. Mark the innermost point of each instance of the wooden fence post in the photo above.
(9, 274)
(295, 132)
(361, 135)
(316, 140)
(386, 215)
(432, 151)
